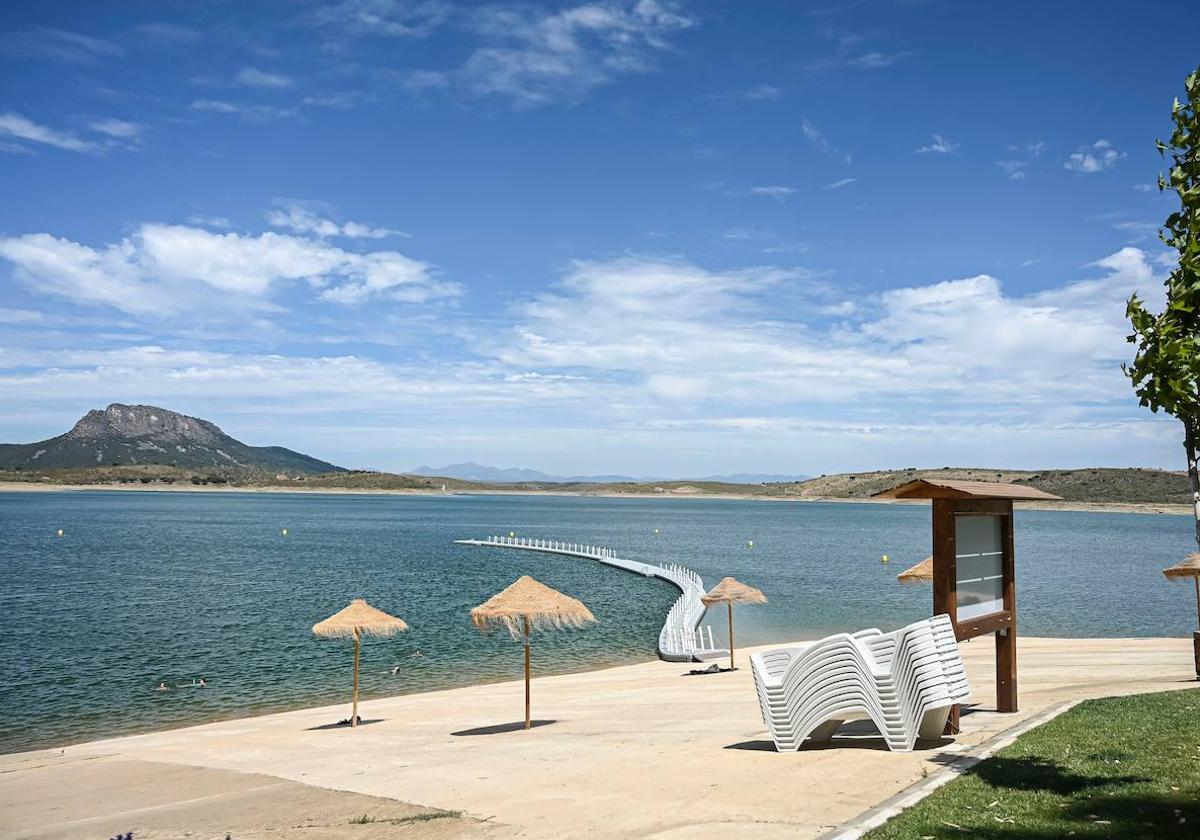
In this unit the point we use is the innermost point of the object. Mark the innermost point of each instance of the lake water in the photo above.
(149, 587)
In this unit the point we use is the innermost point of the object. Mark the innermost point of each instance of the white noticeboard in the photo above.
(979, 564)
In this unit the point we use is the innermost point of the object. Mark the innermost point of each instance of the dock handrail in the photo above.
(682, 638)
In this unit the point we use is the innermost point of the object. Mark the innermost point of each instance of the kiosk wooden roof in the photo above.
(945, 488)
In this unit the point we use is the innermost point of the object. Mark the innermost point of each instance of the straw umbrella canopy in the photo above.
(527, 605)
(355, 621)
(920, 573)
(731, 591)
(1188, 567)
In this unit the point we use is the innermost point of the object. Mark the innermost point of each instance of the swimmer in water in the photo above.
(203, 682)
(417, 654)
(162, 686)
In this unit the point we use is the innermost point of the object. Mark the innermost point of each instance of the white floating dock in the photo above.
(682, 638)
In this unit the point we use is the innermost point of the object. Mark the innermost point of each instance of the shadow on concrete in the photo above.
(497, 728)
(760, 746)
(343, 724)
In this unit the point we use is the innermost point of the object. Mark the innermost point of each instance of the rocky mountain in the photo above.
(122, 435)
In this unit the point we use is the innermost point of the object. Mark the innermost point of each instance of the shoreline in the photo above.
(684, 756)
(269, 712)
(1167, 508)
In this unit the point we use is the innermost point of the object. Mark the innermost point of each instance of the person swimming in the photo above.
(203, 682)
(162, 686)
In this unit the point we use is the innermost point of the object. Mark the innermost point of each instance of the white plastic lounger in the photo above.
(904, 682)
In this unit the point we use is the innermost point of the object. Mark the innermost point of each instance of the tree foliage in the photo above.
(1166, 370)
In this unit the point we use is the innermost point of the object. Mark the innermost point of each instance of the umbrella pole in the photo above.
(731, 665)
(527, 722)
(354, 706)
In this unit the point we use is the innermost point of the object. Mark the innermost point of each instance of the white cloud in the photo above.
(814, 136)
(533, 58)
(1095, 158)
(342, 101)
(873, 60)
(747, 234)
(15, 125)
(20, 316)
(57, 45)
(691, 335)
(775, 191)
(837, 185)
(939, 146)
(116, 128)
(1033, 149)
(388, 18)
(253, 113)
(170, 34)
(1014, 169)
(162, 270)
(219, 222)
(760, 93)
(252, 77)
(305, 217)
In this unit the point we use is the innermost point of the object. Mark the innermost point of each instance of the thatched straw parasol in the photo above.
(731, 591)
(1188, 567)
(355, 621)
(526, 605)
(920, 573)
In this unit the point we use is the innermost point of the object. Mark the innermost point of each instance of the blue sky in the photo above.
(638, 237)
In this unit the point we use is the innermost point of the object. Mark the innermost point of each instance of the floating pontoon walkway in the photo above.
(681, 639)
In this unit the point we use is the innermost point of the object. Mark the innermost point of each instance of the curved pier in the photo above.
(682, 638)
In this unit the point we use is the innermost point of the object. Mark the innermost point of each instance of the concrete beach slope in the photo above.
(635, 751)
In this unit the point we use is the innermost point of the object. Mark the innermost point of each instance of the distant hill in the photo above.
(132, 435)
(754, 478)
(470, 471)
(1098, 484)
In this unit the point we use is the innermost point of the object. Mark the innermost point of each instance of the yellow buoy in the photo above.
(60, 532)
(512, 533)
(284, 532)
(884, 559)
(656, 530)
(749, 543)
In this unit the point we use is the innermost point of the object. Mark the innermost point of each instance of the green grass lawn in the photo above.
(1126, 767)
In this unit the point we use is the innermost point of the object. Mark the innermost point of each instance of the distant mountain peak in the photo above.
(136, 421)
(125, 435)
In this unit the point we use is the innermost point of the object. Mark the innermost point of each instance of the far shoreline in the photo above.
(1145, 508)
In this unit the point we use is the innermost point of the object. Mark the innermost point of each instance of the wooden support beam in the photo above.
(1006, 641)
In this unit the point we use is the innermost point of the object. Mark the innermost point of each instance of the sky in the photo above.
(645, 237)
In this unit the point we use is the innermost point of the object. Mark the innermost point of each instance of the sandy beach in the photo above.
(634, 751)
(1099, 507)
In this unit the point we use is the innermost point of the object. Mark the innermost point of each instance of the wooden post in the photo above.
(354, 706)
(527, 721)
(732, 667)
(945, 577)
(1196, 633)
(1006, 639)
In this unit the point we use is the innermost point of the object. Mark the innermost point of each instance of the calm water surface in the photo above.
(149, 587)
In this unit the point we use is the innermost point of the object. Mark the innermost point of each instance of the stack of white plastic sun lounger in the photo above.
(905, 682)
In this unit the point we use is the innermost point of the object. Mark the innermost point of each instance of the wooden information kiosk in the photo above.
(974, 580)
